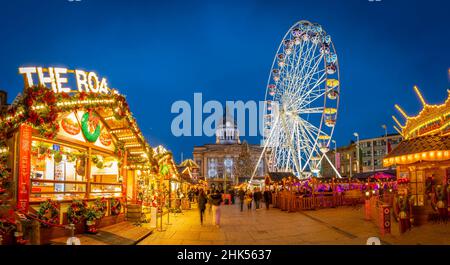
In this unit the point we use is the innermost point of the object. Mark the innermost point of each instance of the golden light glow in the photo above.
(420, 96)
(396, 121)
(401, 111)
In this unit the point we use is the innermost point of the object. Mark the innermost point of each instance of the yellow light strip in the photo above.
(398, 123)
(420, 96)
(401, 111)
(437, 155)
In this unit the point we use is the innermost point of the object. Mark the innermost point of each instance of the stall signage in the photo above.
(24, 167)
(58, 79)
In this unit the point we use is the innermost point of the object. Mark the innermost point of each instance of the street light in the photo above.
(357, 149)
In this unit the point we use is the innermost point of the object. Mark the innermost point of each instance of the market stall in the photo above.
(423, 163)
(69, 150)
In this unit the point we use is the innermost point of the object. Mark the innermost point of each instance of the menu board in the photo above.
(59, 175)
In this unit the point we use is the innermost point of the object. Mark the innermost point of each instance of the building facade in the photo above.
(3, 101)
(370, 158)
(218, 163)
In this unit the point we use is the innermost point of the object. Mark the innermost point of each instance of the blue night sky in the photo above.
(159, 52)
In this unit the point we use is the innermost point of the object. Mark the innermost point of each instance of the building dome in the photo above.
(227, 131)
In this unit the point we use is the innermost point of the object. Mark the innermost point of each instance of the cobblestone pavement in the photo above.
(340, 226)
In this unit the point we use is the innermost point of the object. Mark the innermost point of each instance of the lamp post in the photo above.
(335, 153)
(357, 150)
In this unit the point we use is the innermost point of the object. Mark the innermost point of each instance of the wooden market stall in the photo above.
(423, 162)
(72, 154)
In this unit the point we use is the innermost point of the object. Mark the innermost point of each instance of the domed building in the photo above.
(221, 163)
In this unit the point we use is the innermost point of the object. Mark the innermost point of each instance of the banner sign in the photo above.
(24, 167)
(58, 79)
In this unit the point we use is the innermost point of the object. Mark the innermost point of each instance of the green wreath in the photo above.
(48, 212)
(101, 205)
(91, 137)
(76, 211)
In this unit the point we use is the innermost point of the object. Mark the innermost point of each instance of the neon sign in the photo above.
(57, 78)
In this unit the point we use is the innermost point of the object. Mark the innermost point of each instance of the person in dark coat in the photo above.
(232, 195)
(202, 200)
(267, 196)
(241, 195)
(257, 196)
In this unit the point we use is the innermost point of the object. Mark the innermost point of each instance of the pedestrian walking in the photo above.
(202, 204)
(232, 194)
(257, 196)
(267, 196)
(241, 195)
(249, 199)
(209, 201)
(216, 200)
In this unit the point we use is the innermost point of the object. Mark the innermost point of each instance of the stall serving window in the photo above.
(104, 181)
(58, 172)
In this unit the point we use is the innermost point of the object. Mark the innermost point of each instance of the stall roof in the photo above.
(421, 144)
(390, 173)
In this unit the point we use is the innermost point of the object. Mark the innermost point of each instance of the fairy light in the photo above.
(401, 111)
(416, 89)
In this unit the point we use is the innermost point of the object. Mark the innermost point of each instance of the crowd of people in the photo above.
(214, 198)
(253, 198)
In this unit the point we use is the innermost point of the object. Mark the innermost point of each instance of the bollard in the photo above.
(35, 237)
(373, 241)
(72, 240)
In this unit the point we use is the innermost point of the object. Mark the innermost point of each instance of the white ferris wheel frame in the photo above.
(288, 127)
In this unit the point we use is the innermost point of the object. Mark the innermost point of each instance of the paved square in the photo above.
(339, 226)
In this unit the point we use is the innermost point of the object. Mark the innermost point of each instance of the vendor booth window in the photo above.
(104, 180)
(57, 172)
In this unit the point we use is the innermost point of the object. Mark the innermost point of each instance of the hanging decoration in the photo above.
(90, 125)
(70, 126)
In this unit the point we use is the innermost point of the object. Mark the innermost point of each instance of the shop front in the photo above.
(69, 152)
(423, 164)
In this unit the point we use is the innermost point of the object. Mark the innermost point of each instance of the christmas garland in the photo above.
(44, 118)
(75, 212)
(116, 206)
(49, 212)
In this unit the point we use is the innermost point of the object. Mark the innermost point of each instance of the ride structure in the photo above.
(302, 101)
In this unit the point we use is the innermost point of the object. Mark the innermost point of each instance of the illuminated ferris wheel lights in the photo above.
(330, 122)
(332, 83)
(315, 170)
(331, 68)
(332, 94)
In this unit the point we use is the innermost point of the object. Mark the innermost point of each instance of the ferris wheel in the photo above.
(302, 101)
